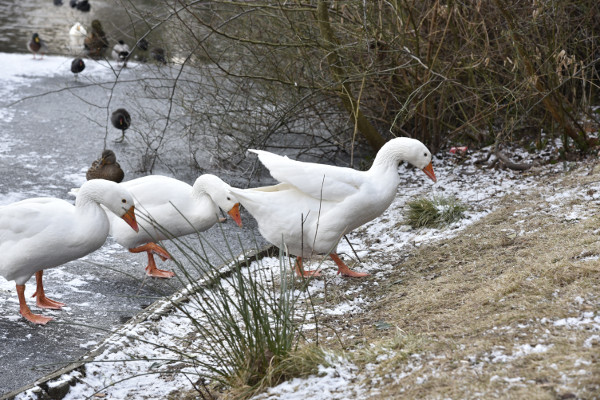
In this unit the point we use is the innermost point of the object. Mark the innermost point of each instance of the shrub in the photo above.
(329, 74)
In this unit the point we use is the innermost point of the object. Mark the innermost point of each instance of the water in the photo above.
(19, 19)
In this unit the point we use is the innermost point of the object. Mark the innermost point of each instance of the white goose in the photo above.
(167, 208)
(316, 204)
(77, 30)
(45, 232)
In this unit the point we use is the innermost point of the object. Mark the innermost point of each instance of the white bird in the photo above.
(167, 208)
(315, 204)
(45, 232)
(120, 52)
(77, 30)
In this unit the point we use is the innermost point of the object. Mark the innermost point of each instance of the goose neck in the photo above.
(390, 156)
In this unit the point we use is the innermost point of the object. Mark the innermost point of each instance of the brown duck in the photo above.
(106, 167)
(96, 44)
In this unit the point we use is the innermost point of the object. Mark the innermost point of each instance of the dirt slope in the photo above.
(509, 308)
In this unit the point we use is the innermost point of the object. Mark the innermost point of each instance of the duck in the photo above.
(121, 120)
(158, 55)
(120, 52)
(37, 45)
(77, 66)
(83, 6)
(177, 209)
(96, 43)
(45, 232)
(106, 167)
(77, 30)
(143, 44)
(315, 205)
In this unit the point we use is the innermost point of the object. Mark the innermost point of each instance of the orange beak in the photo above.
(234, 213)
(429, 172)
(129, 217)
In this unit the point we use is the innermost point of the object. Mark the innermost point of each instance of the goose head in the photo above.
(219, 192)
(77, 29)
(409, 150)
(111, 195)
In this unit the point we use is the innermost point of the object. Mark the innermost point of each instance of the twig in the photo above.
(510, 164)
(352, 247)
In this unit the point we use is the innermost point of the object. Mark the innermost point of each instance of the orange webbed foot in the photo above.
(41, 300)
(35, 318)
(152, 271)
(343, 268)
(308, 274)
(151, 249)
(302, 273)
(352, 274)
(45, 302)
(24, 308)
(158, 273)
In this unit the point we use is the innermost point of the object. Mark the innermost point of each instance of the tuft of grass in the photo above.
(435, 212)
(297, 363)
(249, 319)
(251, 324)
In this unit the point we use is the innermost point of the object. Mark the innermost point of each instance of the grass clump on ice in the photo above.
(249, 317)
(435, 212)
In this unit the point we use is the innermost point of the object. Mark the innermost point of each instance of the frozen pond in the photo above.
(51, 129)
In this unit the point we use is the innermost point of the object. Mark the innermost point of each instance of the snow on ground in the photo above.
(17, 70)
(127, 367)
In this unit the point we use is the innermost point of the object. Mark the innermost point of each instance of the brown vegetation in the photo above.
(327, 76)
(437, 71)
(468, 305)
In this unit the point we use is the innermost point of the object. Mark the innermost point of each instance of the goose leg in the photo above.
(151, 249)
(42, 301)
(343, 268)
(301, 272)
(26, 312)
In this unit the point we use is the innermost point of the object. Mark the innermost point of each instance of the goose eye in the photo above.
(229, 199)
(123, 201)
(425, 154)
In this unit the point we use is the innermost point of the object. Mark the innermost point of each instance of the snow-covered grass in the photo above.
(480, 298)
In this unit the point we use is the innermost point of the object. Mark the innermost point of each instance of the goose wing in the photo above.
(319, 181)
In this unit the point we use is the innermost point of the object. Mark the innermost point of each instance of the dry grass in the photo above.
(494, 288)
